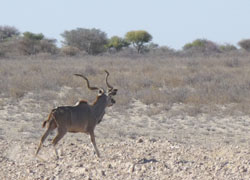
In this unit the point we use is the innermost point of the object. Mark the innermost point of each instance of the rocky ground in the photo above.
(143, 158)
(133, 145)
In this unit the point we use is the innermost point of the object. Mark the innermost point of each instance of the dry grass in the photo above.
(195, 81)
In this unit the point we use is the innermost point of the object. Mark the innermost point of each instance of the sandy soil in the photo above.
(134, 144)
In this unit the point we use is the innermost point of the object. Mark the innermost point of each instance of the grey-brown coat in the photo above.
(82, 117)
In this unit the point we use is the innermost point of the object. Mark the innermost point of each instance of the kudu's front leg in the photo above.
(92, 137)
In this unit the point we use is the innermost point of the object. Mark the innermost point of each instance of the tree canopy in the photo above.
(245, 44)
(31, 43)
(7, 32)
(138, 39)
(33, 36)
(92, 41)
(117, 43)
(201, 46)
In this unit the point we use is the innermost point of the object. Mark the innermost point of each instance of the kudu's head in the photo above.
(110, 91)
(108, 94)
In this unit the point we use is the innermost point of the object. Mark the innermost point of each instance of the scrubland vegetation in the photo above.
(176, 117)
(196, 81)
(93, 41)
(202, 74)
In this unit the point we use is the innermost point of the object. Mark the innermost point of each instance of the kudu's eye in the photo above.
(100, 92)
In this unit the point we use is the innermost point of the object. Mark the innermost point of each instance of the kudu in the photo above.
(82, 117)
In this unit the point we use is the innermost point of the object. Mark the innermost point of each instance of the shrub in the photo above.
(161, 51)
(32, 43)
(70, 51)
(227, 48)
(151, 47)
(7, 32)
(117, 43)
(28, 46)
(9, 48)
(8, 41)
(201, 46)
(245, 44)
(32, 36)
(92, 41)
(48, 46)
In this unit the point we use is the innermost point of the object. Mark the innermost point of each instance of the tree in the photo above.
(7, 32)
(8, 41)
(138, 39)
(245, 44)
(117, 43)
(32, 43)
(92, 41)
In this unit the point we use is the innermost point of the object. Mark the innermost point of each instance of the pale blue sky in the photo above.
(171, 22)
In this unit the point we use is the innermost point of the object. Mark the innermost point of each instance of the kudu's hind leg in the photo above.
(45, 135)
(61, 132)
(50, 128)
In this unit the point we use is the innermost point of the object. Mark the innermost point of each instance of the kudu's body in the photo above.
(81, 117)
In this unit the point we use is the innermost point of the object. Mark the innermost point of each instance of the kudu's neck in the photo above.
(99, 107)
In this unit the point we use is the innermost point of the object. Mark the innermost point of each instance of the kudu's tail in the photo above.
(49, 118)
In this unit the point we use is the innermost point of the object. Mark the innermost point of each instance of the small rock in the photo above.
(39, 164)
(243, 169)
(143, 169)
(80, 165)
(103, 173)
(130, 167)
(140, 140)
(153, 140)
(110, 166)
(30, 171)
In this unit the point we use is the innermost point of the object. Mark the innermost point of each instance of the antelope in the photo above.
(81, 117)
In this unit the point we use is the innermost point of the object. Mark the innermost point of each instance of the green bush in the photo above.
(227, 48)
(201, 46)
(32, 36)
(117, 43)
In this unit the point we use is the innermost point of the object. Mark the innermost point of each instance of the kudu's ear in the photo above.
(113, 92)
